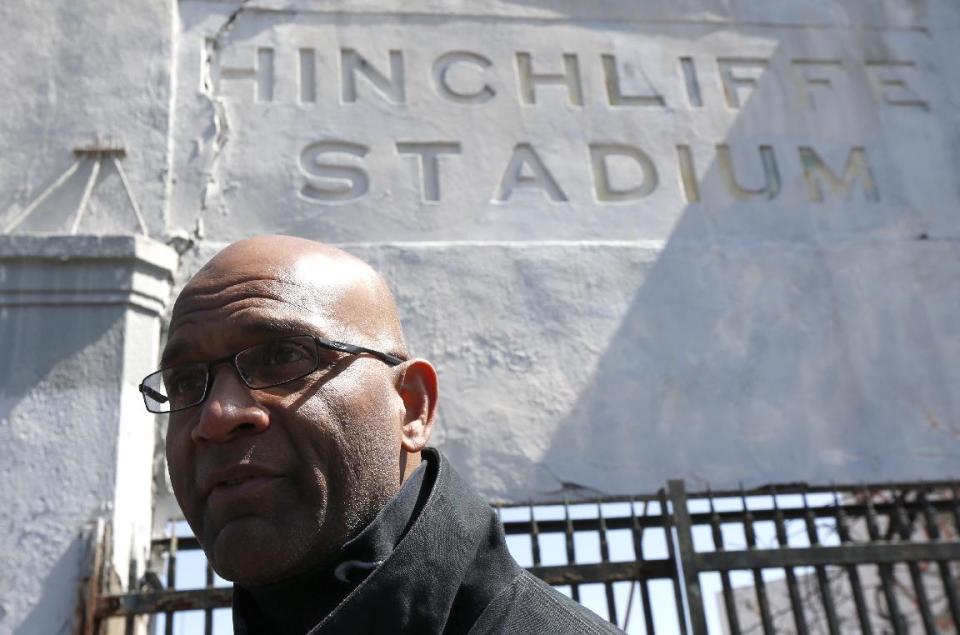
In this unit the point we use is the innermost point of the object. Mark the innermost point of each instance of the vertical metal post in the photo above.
(686, 564)
(765, 619)
(534, 536)
(92, 587)
(677, 577)
(796, 603)
(946, 578)
(605, 557)
(903, 524)
(885, 569)
(729, 600)
(641, 578)
(132, 587)
(823, 581)
(852, 572)
(208, 613)
(571, 551)
(171, 577)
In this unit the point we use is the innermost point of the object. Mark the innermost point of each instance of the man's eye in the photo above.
(281, 353)
(180, 382)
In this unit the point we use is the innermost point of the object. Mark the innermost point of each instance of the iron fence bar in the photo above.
(637, 533)
(534, 537)
(885, 553)
(946, 578)
(676, 573)
(208, 612)
(687, 564)
(852, 572)
(626, 613)
(885, 569)
(605, 558)
(729, 601)
(800, 487)
(121, 605)
(188, 543)
(761, 490)
(171, 579)
(571, 552)
(96, 557)
(798, 513)
(826, 596)
(796, 603)
(184, 543)
(955, 512)
(605, 572)
(132, 585)
(758, 583)
(903, 525)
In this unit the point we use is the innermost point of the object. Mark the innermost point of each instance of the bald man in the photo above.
(297, 449)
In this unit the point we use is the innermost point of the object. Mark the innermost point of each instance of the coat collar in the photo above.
(441, 575)
(450, 562)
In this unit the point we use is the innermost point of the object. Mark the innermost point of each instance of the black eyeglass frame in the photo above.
(333, 345)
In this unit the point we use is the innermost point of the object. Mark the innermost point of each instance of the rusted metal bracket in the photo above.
(96, 563)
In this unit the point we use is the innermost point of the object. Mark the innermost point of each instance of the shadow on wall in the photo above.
(59, 590)
(777, 339)
(57, 376)
(40, 344)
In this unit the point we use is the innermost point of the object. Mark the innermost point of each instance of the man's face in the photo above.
(274, 481)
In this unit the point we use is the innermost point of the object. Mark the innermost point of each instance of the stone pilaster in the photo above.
(80, 322)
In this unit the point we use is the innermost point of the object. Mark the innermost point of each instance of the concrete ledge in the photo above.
(846, 13)
(66, 248)
(86, 270)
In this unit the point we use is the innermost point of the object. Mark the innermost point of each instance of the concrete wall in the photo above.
(80, 325)
(701, 239)
(705, 240)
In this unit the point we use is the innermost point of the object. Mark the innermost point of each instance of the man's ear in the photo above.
(418, 389)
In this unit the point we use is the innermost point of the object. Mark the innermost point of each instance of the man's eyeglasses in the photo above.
(261, 366)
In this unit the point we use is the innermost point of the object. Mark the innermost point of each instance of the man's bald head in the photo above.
(297, 467)
(315, 277)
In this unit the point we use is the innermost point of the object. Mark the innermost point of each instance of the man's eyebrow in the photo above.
(172, 352)
(277, 326)
(282, 326)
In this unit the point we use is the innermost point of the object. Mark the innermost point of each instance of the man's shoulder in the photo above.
(529, 605)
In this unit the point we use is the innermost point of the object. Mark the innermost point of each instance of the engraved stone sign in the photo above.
(640, 240)
(413, 127)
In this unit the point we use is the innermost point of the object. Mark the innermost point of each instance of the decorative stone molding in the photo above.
(84, 270)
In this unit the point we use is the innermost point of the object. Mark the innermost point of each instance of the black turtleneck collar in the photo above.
(377, 540)
(307, 598)
(446, 570)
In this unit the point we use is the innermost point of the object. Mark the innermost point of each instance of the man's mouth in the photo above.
(245, 482)
(242, 494)
(237, 480)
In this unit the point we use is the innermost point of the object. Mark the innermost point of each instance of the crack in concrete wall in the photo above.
(217, 134)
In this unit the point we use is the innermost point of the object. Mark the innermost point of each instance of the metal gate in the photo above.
(777, 559)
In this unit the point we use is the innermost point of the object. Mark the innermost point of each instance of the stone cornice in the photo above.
(85, 270)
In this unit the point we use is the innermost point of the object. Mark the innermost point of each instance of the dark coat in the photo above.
(451, 573)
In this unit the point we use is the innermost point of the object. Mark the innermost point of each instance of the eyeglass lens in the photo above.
(261, 366)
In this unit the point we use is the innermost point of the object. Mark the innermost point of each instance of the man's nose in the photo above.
(230, 410)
